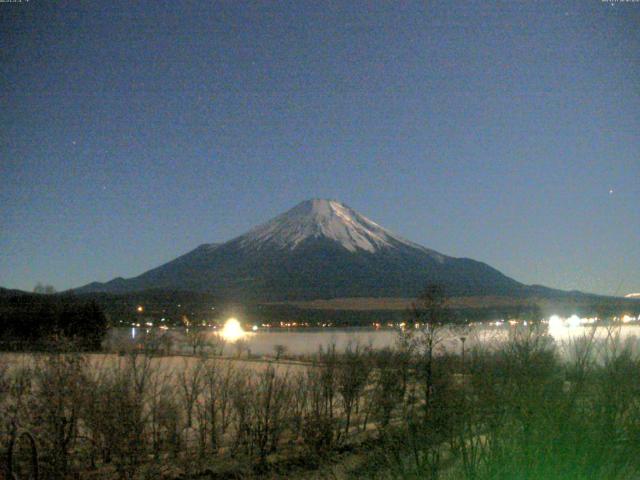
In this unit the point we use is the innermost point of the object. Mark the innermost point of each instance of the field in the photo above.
(173, 365)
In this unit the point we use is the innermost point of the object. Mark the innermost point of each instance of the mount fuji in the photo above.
(318, 249)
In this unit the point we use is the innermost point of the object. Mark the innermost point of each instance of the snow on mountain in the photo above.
(322, 218)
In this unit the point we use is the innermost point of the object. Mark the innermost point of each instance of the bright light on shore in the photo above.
(232, 331)
(574, 321)
(556, 326)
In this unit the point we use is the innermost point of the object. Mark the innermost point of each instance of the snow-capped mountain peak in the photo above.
(318, 249)
(320, 218)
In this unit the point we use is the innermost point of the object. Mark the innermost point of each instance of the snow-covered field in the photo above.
(163, 364)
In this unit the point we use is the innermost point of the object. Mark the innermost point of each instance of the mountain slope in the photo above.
(318, 249)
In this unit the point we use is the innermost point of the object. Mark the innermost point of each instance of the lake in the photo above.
(303, 341)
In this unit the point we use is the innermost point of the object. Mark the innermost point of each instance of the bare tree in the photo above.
(279, 350)
(217, 344)
(429, 313)
(241, 399)
(241, 346)
(190, 379)
(59, 384)
(209, 419)
(299, 402)
(389, 386)
(225, 385)
(197, 339)
(320, 428)
(270, 404)
(352, 376)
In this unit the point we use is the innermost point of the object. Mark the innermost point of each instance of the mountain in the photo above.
(5, 292)
(318, 249)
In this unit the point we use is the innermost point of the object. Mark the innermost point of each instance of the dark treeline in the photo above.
(361, 318)
(33, 321)
(123, 311)
(175, 306)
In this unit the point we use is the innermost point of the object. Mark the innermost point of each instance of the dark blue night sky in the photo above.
(508, 132)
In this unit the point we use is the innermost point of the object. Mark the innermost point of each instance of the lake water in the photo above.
(302, 341)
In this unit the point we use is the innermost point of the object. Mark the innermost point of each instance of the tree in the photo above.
(352, 377)
(44, 289)
(279, 350)
(429, 313)
(197, 338)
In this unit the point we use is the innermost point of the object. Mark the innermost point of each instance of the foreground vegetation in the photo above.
(513, 411)
(526, 408)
